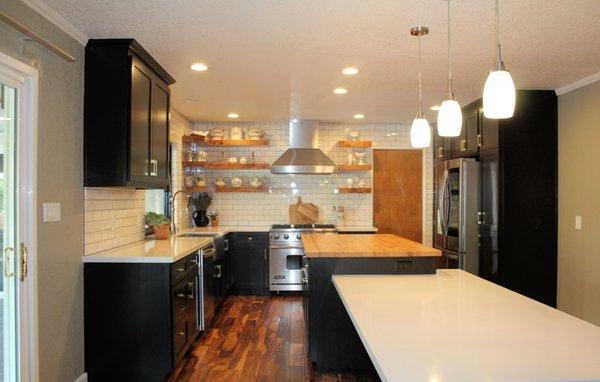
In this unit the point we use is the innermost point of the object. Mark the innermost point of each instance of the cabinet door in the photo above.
(489, 178)
(488, 254)
(466, 144)
(139, 136)
(159, 134)
(442, 147)
(488, 132)
(248, 267)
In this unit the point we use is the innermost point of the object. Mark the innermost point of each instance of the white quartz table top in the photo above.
(453, 326)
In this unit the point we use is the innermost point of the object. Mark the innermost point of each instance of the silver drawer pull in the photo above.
(180, 270)
(181, 333)
(182, 295)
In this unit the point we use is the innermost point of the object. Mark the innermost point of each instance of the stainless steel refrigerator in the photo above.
(457, 200)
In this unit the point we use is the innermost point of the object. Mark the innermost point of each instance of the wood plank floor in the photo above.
(254, 338)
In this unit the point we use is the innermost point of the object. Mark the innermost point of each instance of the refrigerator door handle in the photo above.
(442, 203)
(446, 203)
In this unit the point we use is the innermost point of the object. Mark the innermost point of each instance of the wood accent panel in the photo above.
(398, 195)
(227, 166)
(255, 338)
(364, 245)
(224, 142)
(363, 144)
(354, 190)
(354, 167)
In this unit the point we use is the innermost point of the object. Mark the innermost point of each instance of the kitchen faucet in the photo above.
(173, 221)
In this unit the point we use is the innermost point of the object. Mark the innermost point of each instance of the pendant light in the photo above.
(499, 90)
(420, 133)
(449, 118)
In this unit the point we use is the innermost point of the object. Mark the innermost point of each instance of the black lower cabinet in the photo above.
(140, 318)
(333, 343)
(249, 259)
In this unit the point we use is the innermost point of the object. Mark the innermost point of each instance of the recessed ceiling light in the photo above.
(233, 115)
(435, 107)
(358, 116)
(350, 71)
(340, 90)
(199, 67)
(191, 100)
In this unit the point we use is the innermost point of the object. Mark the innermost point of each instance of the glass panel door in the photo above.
(8, 235)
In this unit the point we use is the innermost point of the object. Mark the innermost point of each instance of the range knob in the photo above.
(276, 236)
(286, 236)
(298, 236)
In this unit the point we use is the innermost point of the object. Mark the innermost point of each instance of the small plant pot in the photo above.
(215, 223)
(162, 232)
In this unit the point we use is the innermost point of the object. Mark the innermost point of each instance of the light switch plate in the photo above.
(577, 222)
(51, 212)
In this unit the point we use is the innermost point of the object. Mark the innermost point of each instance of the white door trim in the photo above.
(25, 78)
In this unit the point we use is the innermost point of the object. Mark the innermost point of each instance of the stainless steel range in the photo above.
(285, 254)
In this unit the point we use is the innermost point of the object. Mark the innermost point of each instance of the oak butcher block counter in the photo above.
(333, 343)
(381, 245)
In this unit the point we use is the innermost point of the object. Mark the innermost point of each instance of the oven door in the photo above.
(284, 269)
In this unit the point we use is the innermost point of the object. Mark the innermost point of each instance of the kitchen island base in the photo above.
(333, 344)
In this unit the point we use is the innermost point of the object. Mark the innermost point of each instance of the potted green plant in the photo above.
(201, 201)
(160, 223)
(214, 218)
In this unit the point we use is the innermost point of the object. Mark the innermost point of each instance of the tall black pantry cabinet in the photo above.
(518, 212)
(126, 117)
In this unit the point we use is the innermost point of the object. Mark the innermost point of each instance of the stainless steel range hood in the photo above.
(304, 155)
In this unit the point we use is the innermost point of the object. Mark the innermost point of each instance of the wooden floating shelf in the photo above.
(354, 190)
(354, 167)
(357, 144)
(228, 166)
(225, 142)
(200, 189)
(241, 189)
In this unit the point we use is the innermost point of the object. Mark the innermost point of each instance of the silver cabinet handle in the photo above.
(218, 273)
(265, 253)
(181, 295)
(463, 145)
(181, 333)
(180, 270)
(440, 152)
(479, 140)
(156, 167)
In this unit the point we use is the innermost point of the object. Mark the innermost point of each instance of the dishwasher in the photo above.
(207, 302)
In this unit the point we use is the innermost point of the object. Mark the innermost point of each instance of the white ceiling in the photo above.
(273, 59)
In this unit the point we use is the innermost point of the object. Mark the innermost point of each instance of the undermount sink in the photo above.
(199, 234)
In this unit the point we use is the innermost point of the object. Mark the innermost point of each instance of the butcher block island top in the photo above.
(369, 245)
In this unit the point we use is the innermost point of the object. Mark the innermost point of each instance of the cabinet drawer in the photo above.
(180, 339)
(250, 237)
(183, 267)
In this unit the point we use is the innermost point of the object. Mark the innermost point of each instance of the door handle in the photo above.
(23, 253)
(6, 262)
(463, 145)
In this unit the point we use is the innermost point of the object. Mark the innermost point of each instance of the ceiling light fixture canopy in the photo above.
(420, 133)
(499, 90)
(449, 118)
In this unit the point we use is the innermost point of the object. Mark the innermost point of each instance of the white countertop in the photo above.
(164, 251)
(454, 326)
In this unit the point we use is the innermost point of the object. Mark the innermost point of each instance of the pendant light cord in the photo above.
(420, 95)
(499, 64)
(450, 93)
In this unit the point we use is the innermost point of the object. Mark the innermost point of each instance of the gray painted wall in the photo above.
(60, 179)
(578, 185)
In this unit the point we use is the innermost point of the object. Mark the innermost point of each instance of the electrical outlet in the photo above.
(51, 212)
(577, 222)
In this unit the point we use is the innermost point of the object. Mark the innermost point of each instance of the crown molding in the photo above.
(578, 84)
(51, 15)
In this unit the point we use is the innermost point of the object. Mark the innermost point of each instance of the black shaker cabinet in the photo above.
(518, 212)
(140, 318)
(126, 117)
(249, 253)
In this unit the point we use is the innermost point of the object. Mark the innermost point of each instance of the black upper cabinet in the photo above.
(442, 146)
(465, 145)
(126, 121)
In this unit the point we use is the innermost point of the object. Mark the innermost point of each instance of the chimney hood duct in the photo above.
(304, 155)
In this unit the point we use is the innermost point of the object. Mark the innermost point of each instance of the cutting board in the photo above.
(303, 213)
